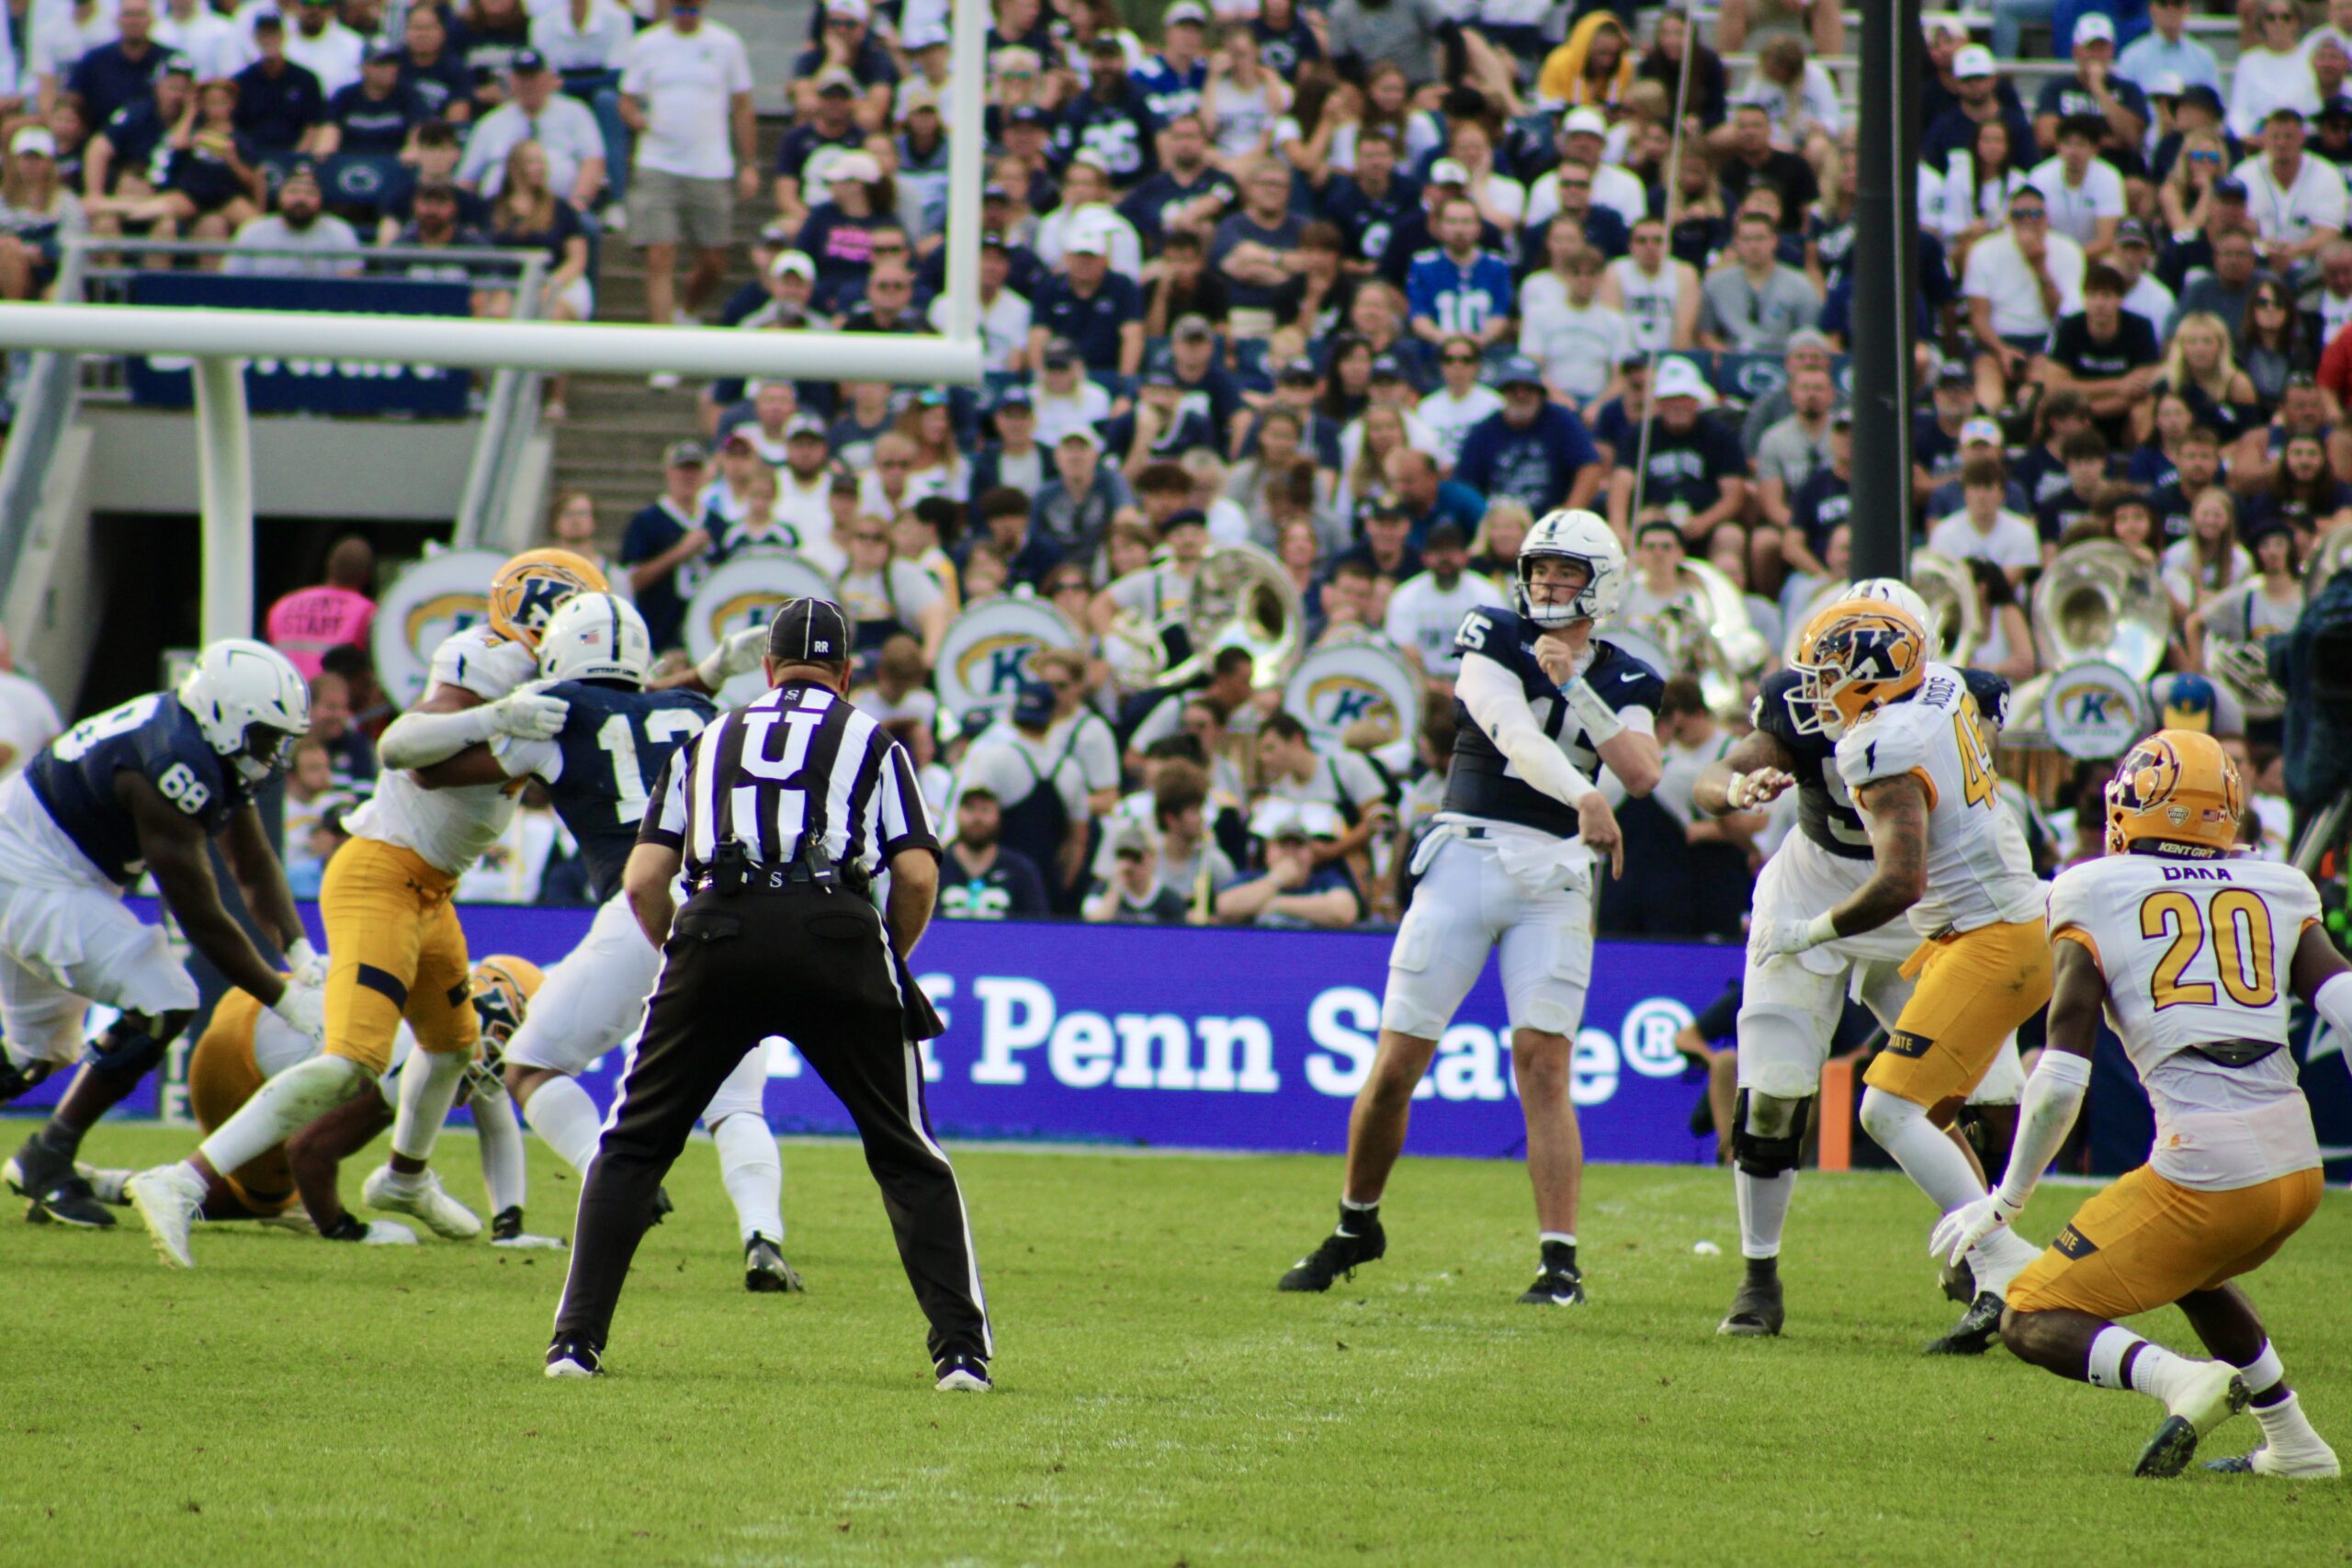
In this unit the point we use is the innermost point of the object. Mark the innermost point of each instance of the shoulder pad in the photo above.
(482, 661)
(1991, 692)
(1892, 743)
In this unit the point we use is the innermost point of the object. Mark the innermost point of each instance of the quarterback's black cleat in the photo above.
(1342, 1252)
(1756, 1311)
(1974, 1332)
(764, 1269)
(574, 1359)
(56, 1190)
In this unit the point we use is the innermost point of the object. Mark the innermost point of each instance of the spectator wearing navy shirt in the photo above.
(1429, 499)
(1375, 203)
(832, 122)
(430, 69)
(2096, 91)
(979, 879)
(374, 117)
(1027, 553)
(1458, 288)
(1984, 95)
(113, 76)
(279, 103)
(1256, 248)
(1822, 503)
(1284, 41)
(1110, 119)
(1097, 309)
(1533, 451)
(663, 544)
(1187, 193)
(1173, 79)
(119, 161)
(1696, 471)
(848, 45)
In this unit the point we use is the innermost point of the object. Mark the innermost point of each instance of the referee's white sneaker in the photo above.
(420, 1195)
(964, 1375)
(169, 1198)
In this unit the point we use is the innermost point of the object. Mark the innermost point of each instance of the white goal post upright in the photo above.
(221, 341)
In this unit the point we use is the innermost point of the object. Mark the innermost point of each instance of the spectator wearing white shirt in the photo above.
(1461, 402)
(325, 47)
(1795, 93)
(2017, 283)
(2144, 295)
(2275, 73)
(1065, 397)
(2297, 202)
(1584, 137)
(2082, 191)
(1004, 315)
(1086, 210)
(585, 43)
(1982, 530)
(214, 44)
(1427, 608)
(687, 91)
(1576, 340)
(299, 224)
(535, 111)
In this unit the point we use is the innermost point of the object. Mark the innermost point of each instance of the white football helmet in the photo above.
(1894, 591)
(1575, 536)
(250, 703)
(595, 637)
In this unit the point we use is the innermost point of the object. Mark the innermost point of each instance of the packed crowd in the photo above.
(1369, 287)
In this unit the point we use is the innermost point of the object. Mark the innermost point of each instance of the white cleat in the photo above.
(2208, 1397)
(108, 1183)
(420, 1196)
(387, 1233)
(169, 1198)
(2312, 1464)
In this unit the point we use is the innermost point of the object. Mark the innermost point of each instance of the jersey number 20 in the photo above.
(2241, 932)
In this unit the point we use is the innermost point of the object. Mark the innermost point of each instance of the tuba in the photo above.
(2100, 601)
(1241, 598)
(1707, 634)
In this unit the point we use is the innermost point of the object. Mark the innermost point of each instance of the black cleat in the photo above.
(663, 1207)
(962, 1374)
(765, 1270)
(1555, 1287)
(1338, 1257)
(1974, 1332)
(1756, 1311)
(57, 1190)
(1958, 1281)
(574, 1359)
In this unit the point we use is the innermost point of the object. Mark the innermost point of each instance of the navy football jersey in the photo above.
(1825, 812)
(603, 763)
(152, 736)
(1478, 785)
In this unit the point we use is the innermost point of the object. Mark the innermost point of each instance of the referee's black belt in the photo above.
(775, 880)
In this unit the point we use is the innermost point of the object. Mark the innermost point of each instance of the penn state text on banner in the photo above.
(309, 386)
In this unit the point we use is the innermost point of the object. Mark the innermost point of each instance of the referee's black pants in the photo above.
(815, 968)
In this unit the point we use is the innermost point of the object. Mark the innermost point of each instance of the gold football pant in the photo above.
(394, 951)
(1975, 989)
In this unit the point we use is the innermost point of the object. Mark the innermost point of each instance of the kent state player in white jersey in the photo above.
(140, 788)
(1789, 1004)
(395, 948)
(599, 767)
(1541, 706)
(2192, 952)
(1911, 749)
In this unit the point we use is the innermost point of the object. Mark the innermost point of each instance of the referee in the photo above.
(781, 813)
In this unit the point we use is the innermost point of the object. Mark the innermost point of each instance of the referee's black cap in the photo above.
(809, 631)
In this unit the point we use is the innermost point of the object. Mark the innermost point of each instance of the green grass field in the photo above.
(1157, 1400)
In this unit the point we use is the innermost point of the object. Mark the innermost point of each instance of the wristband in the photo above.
(1820, 928)
(1597, 719)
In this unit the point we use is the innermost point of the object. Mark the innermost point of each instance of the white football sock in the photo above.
(1763, 1210)
(283, 1106)
(2262, 1374)
(429, 1084)
(2287, 1431)
(754, 1172)
(563, 1116)
(2108, 1346)
(2158, 1372)
(1919, 1146)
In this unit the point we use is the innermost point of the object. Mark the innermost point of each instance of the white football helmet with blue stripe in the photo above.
(1577, 535)
(595, 637)
(250, 703)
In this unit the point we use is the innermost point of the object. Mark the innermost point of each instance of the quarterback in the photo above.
(1911, 749)
(140, 788)
(2193, 954)
(1540, 706)
(396, 949)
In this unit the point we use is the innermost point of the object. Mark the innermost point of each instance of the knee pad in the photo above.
(1886, 1115)
(136, 1042)
(1780, 1052)
(1768, 1133)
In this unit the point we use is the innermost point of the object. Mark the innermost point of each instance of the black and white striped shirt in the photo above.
(762, 774)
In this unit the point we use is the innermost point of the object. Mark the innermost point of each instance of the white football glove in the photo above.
(534, 1243)
(306, 965)
(527, 713)
(1745, 791)
(739, 655)
(1793, 933)
(1970, 1223)
(304, 1007)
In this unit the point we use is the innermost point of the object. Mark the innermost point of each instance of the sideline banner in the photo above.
(308, 385)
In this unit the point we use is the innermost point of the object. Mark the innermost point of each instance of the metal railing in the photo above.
(50, 391)
(102, 270)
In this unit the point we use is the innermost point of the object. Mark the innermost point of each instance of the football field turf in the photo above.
(1158, 1402)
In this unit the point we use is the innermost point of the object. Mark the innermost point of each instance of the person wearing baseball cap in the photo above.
(663, 544)
(1095, 310)
(1979, 93)
(1531, 450)
(1696, 468)
(828, 104)
(2097, 91)
(373, 117)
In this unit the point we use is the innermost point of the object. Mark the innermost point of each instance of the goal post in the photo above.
(220, 341)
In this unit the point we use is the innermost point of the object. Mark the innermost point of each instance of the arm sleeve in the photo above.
(2054, 1096)
(522, 757)
(1498, 705)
